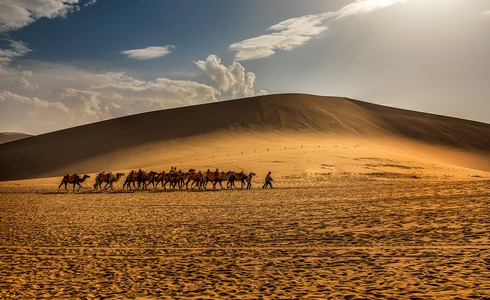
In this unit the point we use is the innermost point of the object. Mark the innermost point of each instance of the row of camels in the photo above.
(174, 179)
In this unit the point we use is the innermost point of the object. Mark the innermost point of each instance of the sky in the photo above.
(74, 62)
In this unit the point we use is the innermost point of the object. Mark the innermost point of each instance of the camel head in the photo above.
(84, 177)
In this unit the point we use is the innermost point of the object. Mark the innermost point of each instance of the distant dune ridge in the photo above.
(124, 142)
(6, 137)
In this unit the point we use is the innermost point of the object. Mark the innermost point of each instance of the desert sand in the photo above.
(365, 205)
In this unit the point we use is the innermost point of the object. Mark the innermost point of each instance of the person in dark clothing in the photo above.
(268, 181)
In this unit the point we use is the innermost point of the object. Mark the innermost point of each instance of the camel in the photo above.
(217, 178)
(173, 177)
(131, 178)
(243, 178)
(141, 177)
(159, 177)
(73, 179)
(231, 180)
(196, 178)
(177, 179)
(146, 177)
(108, 178)
(164, 179)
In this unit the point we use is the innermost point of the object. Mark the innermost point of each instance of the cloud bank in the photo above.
(295, 32)
(64, 97)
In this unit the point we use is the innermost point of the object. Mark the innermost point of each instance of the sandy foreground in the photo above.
(345, 220)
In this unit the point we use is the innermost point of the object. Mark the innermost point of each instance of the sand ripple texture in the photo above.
(408, 239)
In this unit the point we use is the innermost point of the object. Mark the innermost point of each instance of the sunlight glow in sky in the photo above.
(67, 63)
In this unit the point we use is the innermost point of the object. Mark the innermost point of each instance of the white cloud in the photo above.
(285, 35)
(26, 84)
(22, 114)
(17, 14)
(148, 53)
(6, 96)
(232, 78)
(14, 50)
(364, 6)
(296, 32)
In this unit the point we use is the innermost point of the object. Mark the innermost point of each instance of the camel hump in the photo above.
(103, 176)
(72, 177)
(196, 176)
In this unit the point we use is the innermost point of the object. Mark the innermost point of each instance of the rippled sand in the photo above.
(315, 237)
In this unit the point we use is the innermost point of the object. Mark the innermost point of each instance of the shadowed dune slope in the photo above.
(6, 137)
(45, 155)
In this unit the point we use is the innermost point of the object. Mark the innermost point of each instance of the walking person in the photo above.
(268, 181)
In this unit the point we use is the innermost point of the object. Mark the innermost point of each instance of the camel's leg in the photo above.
(62, 181)
(79, 186)
(194, 184)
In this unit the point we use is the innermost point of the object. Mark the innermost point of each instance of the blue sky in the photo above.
(68, 63)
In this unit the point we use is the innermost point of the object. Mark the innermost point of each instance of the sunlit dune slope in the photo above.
(92, 147)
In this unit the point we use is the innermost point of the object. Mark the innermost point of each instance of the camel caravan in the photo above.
(174, 179)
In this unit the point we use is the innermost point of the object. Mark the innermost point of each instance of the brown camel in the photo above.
(216, 178)
(164, 178)
(73, 179)
(141, 177)
(195, 177)
(108, 178)
(177, 179)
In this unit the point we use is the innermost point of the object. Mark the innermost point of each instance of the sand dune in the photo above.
(165, 138)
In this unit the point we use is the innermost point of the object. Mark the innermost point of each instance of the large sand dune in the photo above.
(188, 136)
